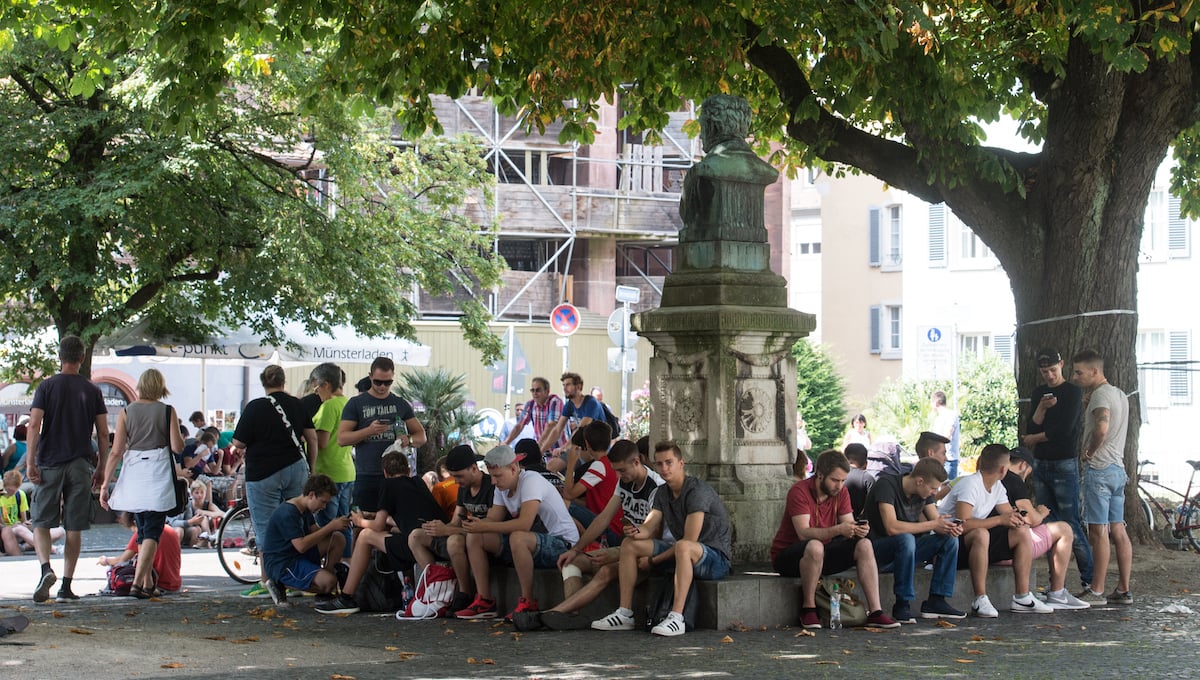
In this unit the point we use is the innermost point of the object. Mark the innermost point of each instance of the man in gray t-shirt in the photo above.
(707, 546)
(1105, 419)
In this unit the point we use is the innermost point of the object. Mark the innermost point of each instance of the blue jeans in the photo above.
(1104, 495)
(263, 496)
(952, 469)
(900, 554)
(585, 517)
(339, 505)
(1056, 485)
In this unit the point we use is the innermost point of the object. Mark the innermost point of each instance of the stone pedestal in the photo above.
(723, 387)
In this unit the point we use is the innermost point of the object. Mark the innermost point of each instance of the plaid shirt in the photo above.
(541, 416)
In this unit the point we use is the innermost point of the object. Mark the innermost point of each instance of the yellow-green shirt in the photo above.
(333, 460)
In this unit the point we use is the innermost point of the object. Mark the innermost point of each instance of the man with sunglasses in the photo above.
(543, 411)
(370, 423)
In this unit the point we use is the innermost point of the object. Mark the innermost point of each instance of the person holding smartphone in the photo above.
(818, 536)
(907, 531)
(372, 422)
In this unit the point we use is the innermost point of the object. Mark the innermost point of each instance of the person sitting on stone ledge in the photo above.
(694, 513)
(989, 538)
(906, 532)
(818, 536)
(634, 499)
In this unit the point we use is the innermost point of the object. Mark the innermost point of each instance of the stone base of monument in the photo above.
(753, 596)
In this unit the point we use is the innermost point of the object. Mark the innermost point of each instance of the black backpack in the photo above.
(614, 423)
(378, 591)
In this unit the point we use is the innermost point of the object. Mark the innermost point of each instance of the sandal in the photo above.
(136, 591)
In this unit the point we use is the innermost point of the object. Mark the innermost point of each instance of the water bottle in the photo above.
(835, 608)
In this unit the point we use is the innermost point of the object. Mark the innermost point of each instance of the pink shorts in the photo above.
(1041, 540)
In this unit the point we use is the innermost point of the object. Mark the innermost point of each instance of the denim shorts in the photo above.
(713, 566)
(1104, 495)
(545, 555)
(149, 525)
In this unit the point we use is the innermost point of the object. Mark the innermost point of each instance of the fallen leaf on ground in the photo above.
(218, 638)
(828, 663)
(58, 614)
(173, 664)
(390, 648)
(132, 612)
(80, 631)
(448, 631)
(405, 656)
(726, 639)
(497, 633)
(943, 623)
(1055, 626)
(964, 660)
(339, 676)
(976, 638)
(973, 651)
(517, 636)
(847, 651)
(805, 633)
(489, 662)
(245, 640)
(471, 660)
(872, 629)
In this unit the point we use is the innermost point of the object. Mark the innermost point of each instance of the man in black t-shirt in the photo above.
(906, 532)
(439, 540)
(1053, 428)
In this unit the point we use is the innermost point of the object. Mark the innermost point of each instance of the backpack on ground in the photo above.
(379, 592)
(433, 595)
(120, 577)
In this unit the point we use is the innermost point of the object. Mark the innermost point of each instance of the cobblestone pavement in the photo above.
(209, 631)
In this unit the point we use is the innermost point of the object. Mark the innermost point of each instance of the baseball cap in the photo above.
(461, 457)
(1021, 453)
(933, 436)
(1048, 356)
(363, 385)
(502, 455)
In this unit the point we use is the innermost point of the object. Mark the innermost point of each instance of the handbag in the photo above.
(853, 611)
(181, 485)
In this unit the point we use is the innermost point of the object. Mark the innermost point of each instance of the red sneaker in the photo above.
(809, 618)
(523, 605)
(877, 619)
(478, 609)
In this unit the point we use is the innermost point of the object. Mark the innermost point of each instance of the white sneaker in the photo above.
(614, 621)
(982, 607)
(1065, 601)
(1028, 604)
(671, 626)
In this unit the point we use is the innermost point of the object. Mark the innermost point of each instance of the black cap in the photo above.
(461, 457)
(363, 385)
(1048, 356)
(1021, 453)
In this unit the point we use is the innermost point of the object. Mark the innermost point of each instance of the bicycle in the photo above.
(237, 547)
(1185, 519)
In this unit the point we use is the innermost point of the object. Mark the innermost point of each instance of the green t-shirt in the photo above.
(333, 460)
(12, 506)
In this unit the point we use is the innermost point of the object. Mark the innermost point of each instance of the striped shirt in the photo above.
(541, 416)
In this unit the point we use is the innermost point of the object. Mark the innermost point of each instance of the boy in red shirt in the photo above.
(167, 559)
(597, 483)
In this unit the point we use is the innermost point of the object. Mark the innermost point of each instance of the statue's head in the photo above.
(723, 117)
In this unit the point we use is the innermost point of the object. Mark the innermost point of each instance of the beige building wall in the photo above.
(851, 287)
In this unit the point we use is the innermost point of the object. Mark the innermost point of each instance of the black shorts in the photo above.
(439, 546)
(839, 556)
(398, 552)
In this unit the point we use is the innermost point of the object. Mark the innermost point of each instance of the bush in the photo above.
(820, 392)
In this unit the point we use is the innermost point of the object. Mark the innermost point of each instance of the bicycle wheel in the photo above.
(1189, 521)
(237, 547)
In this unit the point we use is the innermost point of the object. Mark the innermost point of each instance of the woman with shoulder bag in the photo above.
(147, 432)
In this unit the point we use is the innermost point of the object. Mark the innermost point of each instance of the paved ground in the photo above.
(208, 631)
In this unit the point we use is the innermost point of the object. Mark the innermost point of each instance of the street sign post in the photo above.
(935, 352)
(564, 319)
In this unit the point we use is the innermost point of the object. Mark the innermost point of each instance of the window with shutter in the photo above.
(1179, 350)
(876, 330)
(873, 237)
(1153, 379)
(1179, 241)
(1003, 346)
(937, 235)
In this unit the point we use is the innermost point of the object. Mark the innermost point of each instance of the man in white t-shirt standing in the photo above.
(988, 538)
(527, 497)
(946, 423)
(1105, 420)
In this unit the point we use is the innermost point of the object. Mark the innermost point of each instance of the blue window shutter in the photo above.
(937, 235)
(876, 329)
(873, 237)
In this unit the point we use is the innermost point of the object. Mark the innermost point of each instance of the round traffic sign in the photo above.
(618, 328)
(564, 319)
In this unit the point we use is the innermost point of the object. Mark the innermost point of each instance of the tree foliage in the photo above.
(820, 392)
(986, 405)
(259, 215)
(440, 397)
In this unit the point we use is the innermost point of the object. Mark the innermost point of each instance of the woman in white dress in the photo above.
(147, 432)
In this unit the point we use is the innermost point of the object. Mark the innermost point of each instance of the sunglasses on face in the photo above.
(380, 383)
